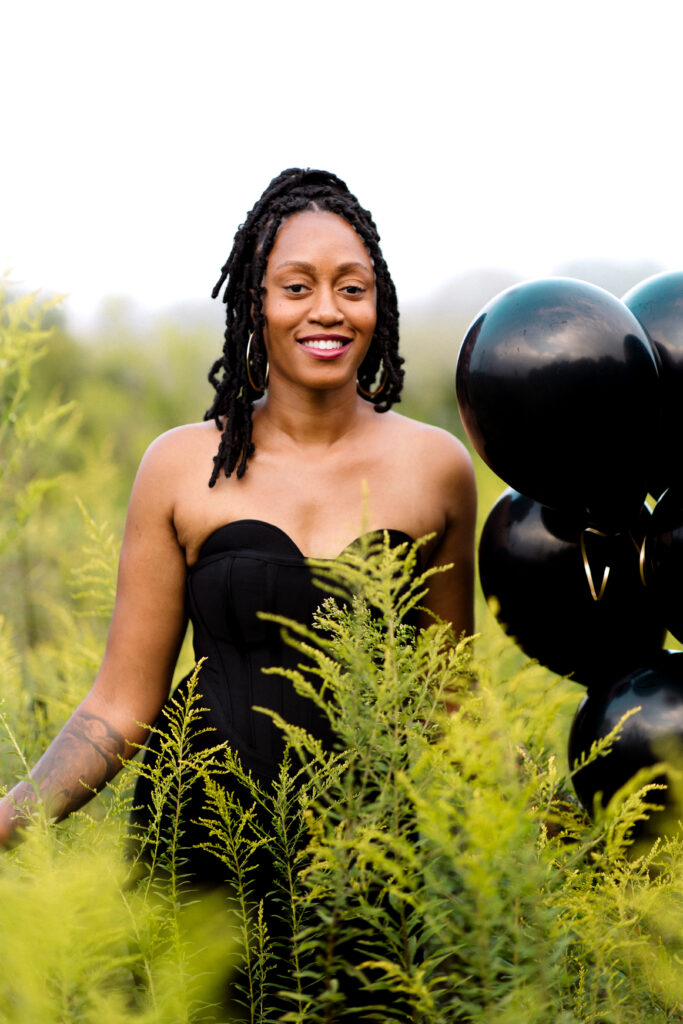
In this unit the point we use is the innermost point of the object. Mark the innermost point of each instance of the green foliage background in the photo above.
(467, 879)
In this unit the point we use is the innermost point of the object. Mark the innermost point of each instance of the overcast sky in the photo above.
(513, 135)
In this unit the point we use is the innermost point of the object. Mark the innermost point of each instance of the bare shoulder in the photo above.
(174, 458)
(443, 507)
(176, 445)
(432, 450)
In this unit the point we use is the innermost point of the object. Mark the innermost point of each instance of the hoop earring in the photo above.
(372, 394)
(254, 386)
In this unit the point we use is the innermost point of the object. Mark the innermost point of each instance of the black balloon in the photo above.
(663, 561)
(651, 735)
(531, 564)
(658, 304)
(557, 385)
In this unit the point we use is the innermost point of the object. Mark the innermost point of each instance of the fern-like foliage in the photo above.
(429, 867)
(432, 866)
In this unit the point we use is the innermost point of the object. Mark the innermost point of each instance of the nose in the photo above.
(325, 308)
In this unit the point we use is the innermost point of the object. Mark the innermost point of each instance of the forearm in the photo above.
(82, 758)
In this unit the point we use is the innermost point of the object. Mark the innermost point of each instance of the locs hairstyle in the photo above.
(290, 192)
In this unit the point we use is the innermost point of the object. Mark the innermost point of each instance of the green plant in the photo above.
(433, 865)
(430, 867)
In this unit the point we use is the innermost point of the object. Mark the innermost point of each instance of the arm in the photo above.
(451, 593)
(146, 631)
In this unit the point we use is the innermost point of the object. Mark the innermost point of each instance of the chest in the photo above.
(322, 502)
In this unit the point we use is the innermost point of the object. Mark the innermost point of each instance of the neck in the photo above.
(314, 419)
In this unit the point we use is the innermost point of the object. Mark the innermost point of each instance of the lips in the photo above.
(325, 342)
(325, 345)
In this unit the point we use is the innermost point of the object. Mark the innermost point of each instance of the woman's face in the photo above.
(320, 303)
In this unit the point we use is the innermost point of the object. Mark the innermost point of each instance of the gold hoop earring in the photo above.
(372, 394)
(254, 386)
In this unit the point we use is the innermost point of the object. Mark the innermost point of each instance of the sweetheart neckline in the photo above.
(292, 543)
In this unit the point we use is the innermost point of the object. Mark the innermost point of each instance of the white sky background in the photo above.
(516, 135)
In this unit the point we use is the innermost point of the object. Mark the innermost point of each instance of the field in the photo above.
(466, 885)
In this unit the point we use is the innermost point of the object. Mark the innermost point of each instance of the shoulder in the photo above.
(443, 506)
(180, 449)
(436, 470)
(432, 450)
(174, 463)
(178, 442)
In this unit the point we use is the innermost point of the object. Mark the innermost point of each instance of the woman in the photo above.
(312, 321)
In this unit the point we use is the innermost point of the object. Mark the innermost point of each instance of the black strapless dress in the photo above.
(244, 568)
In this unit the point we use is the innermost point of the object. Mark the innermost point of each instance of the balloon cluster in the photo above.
(575, 399)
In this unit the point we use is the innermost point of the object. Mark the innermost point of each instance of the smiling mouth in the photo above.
(327, 344)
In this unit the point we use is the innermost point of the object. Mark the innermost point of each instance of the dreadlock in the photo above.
(290, 192)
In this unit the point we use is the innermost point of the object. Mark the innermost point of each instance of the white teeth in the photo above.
(322, 343)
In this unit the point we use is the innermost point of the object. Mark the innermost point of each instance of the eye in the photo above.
(295, 289)
(353, 289)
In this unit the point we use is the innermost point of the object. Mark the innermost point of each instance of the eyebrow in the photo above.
(301, 264)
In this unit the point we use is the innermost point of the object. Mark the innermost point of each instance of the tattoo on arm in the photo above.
(82, 758)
